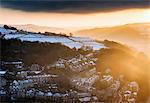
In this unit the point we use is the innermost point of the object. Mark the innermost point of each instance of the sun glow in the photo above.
(75, 20)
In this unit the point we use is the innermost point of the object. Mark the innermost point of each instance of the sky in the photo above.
(74, 13)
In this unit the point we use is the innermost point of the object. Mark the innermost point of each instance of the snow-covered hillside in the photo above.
(71, 42)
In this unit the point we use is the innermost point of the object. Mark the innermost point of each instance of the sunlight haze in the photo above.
(65, 20)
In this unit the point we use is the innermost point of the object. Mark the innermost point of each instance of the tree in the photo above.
(9, 27)
(13, 28)
(6, 27)
(71, 34)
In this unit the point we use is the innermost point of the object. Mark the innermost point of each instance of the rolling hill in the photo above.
(136, 31)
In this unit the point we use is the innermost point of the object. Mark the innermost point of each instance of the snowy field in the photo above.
(72, 42)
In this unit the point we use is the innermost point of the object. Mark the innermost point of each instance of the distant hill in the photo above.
(135, 35)
(36, 28)
(136, 31)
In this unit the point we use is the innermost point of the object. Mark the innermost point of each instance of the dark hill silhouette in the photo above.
(34, 52)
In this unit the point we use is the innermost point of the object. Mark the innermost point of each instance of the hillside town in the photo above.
(19, 82)
(66, 80)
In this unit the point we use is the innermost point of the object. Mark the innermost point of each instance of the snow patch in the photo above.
(71, 42)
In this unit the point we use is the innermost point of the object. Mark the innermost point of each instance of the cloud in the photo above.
(72, 6)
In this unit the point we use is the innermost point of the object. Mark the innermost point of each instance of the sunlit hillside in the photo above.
(46, 49)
